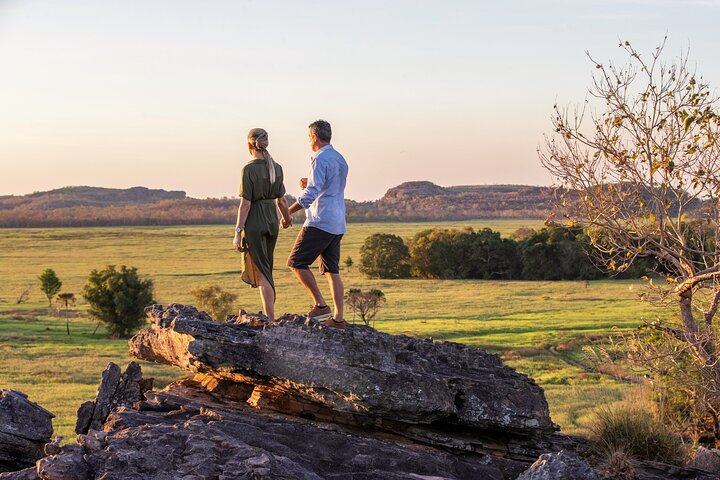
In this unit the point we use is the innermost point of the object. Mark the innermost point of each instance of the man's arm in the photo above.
(315, 182)
(295, 207)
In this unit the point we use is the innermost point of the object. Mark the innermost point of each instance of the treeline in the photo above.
(187, 211)
(551, 253)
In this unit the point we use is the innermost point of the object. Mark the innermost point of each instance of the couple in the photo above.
(262, 194)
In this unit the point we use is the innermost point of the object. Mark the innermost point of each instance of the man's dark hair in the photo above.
(322, 130)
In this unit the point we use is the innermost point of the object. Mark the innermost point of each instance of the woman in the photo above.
(256, 230)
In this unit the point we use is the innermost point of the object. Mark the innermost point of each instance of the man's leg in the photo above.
(337, 290)
(308, 281)
(308, 246)
(330, 267)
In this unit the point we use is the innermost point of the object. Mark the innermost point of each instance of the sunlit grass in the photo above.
(519, 320)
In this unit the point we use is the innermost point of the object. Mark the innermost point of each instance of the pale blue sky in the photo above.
(162, 93)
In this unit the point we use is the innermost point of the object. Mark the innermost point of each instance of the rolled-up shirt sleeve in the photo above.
(315, 183)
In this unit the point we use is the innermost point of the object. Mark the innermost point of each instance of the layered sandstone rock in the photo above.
(296, 401)
(24, 428)
(356, 371)
(116, 389)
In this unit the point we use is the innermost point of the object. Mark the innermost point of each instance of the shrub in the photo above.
(118, 298)
(50, 284)
(384, 256)
(365, 304)
(23, 296)
(214, 300)
(636, 432)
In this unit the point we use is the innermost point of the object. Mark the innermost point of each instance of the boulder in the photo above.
(24, 474)
(706, 459)
(184, 432)
(24, 428)
(357, 371)
(563, 465)
(115, 389)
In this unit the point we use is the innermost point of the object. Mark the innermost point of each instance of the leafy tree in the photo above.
(557, 253)
(214, 300)
(634, 169)
(118, 298)
(384, 256)
(348, 262)
(50, 284)
(365, 304)
(66, 300)
(443, 253)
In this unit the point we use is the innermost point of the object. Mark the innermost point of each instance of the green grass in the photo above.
(522, 321)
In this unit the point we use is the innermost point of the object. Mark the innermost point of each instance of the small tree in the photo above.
(50, 284)
(384, 256)
(348, 262)
(641, 173)
(365, 304)
(65, 300)
(118, 298)
(214, 300)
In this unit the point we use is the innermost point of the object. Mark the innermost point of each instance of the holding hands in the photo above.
(303, 183)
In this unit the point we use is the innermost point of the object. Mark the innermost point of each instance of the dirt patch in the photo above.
(17, 337)
(523, 353)
(23, 312)
(32, 314)
(584, 299)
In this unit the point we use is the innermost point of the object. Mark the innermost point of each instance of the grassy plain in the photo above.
(538, 327)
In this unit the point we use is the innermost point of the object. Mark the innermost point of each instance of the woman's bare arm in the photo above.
(242, 215)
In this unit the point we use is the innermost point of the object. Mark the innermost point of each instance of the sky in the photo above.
(161, 93)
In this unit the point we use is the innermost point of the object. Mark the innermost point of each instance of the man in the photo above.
(323, 199)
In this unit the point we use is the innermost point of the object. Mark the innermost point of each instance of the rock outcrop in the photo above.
(116, 389)
(183, 432)
(293, 400)
(356, 371)
(560, 466)
(706, 459)
(24, 428)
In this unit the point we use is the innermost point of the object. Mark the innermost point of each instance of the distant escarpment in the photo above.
(425, 201)
(411, 201)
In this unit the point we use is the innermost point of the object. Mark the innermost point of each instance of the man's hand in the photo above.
(303, 183)
(286, 224)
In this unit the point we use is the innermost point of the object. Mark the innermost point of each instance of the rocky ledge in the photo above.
(293, 400)
(24, 428)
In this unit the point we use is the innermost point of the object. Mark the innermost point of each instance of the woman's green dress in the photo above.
(262, 225)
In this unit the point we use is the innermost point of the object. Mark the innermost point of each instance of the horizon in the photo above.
(223, 197)
(163, 93)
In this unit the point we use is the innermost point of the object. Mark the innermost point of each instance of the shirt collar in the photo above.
(315, 154)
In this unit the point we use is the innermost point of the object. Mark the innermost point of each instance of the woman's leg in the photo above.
(267, 296)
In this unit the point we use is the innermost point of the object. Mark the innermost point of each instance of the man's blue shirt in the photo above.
(324, 197)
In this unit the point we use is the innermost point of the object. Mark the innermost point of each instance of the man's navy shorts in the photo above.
(312, 243)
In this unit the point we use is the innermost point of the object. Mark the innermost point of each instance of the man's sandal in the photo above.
(332, 323)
